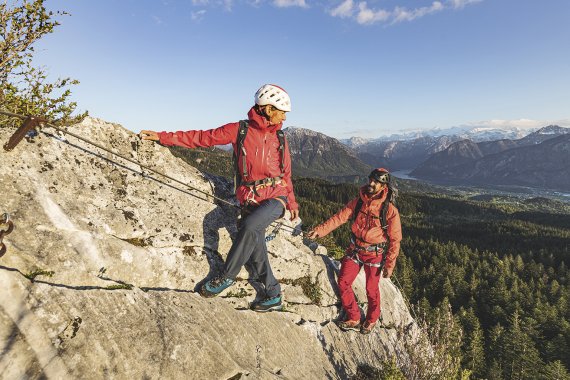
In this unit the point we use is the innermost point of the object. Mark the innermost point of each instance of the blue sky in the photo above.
(352, 68)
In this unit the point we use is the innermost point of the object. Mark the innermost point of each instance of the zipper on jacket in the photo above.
(263, 148)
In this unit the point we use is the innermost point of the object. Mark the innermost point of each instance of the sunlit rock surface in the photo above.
(100, 274)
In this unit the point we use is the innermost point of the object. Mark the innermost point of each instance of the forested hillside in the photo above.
(501, 266)
(500, 262)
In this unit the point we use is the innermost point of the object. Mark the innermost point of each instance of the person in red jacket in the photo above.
(373, 246)
(265, 189)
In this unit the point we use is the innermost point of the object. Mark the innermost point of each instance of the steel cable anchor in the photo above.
(27, 129)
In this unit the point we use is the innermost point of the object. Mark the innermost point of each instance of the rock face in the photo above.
(101, 269)
(314, 154)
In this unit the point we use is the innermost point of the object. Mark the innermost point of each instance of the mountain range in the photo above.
(473, 132)
(539, 159)
(314, 154)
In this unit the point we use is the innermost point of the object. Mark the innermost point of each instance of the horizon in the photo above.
(527, 129)
(352, 69)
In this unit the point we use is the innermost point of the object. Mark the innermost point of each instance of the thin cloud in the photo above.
(344, 10)
(402, 14)
(290, 3)
(198, 15)
(358, 11)
(368, 16)
(360, 132)
(462, 3)
(228, 5)
(364, 15)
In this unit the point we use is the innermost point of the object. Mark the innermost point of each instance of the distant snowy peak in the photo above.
(302, 132)
(543, 134)
(475, 133)
(553, 130)
(304, 138)
(491, 134)
(355, 142)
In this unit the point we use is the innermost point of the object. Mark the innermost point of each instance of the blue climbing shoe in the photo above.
(268, 304)
(215, 286)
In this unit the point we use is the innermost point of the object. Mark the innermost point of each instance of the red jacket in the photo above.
(263, 157)
(366, 226)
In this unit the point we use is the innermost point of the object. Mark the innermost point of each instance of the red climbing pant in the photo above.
(348, 272)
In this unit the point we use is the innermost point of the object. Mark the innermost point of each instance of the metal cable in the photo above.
(99, 146)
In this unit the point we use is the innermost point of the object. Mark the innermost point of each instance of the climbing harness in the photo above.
(32, 123)
(353, 255)
(5, 221)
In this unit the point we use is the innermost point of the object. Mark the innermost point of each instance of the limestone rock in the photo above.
(100, 274)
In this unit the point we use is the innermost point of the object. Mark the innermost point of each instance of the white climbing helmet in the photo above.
(274, 95)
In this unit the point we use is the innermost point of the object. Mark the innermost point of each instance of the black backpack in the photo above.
(242, 133)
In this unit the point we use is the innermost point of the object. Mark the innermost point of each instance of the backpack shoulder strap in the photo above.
(240, 150)
(383, 213)
(384, 209)
(242, 132)
(281, 137)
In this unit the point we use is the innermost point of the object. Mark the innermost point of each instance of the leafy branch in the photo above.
(25, 88)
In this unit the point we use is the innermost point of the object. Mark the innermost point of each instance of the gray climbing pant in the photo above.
(249, 247)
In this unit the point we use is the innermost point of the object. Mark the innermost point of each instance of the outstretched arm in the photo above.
(193, 139)
(334, 221)
(395, 233)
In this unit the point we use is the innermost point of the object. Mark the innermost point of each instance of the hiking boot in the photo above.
(268, 304)
(215, 286)
(349, 325)
(367, 327)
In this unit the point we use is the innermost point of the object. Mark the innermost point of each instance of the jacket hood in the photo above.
(380, 196)
(259, 122)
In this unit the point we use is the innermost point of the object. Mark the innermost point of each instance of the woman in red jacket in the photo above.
(373, 247)
(265, 188)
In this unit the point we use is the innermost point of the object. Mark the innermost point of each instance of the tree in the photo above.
(473, 343)
(24, 88)
(519, 357)
(436, 352)
(555, 371)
